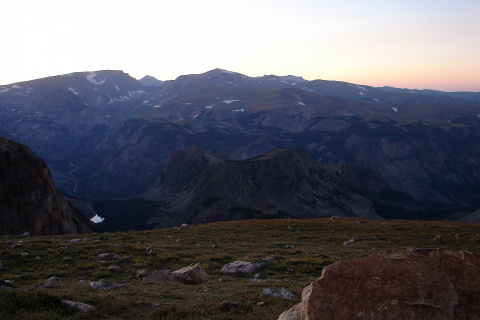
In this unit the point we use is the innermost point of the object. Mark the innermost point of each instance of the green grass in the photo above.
(317, 243)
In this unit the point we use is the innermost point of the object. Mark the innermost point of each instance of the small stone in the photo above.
(24, 254)
(214, 246)
(75, 240)
(17, 245)
(246, 267)
(141, 274)
(49, 283)
(26, 235)
(81, 307)
(289, 246)
(346, 243)
(106, 285)
(261, 303)
(108, 256)
(38, 258)
(113, 268)
(278, 293)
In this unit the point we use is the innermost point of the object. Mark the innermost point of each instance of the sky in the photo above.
(416, 44)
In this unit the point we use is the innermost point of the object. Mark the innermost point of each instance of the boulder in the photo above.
(159, 276)
(191, 275)
(108, 256)
(49, 283)
(246, 267)
(78, 306)
(105, 285)
(404, 284)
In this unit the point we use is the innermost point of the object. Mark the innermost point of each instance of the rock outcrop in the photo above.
(403, 284)
(29, 200)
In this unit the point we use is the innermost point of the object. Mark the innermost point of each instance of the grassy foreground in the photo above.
(317, 243)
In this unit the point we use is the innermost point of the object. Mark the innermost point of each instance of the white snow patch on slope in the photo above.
(16, 86)
(91, 78)
(116, 87)
(394, 109)
(301, 103)
(361, 93)
(239, 110)
(73, 91)
(230, 101)
(97, 219)
(226, 71)
(5, 90)
(208, 107)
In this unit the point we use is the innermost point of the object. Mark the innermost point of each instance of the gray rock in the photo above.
(108, 256)
(113, 268)
(49, 283)
(159, 276)
(246, 267)
(141, 274)
(24, 254)
(195, 274)
(26, 235)
(346, 243)
(78, 306)
(105, 285)
(278, 293)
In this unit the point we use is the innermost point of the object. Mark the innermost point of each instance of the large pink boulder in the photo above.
(395, 284)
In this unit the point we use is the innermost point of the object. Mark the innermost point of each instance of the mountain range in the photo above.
(106, 135)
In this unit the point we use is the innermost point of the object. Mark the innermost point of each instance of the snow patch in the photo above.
(73, 91)
(301, 103)
(97, 219)
(146, 101)
(394, 109)
(158, 106)
(361, 93)
(230, 101)
(5, 90)
(225, 71)
(239, 110)
(91, 78)
(208, 107)
(116, 87)
(360, 87)
(376, 100)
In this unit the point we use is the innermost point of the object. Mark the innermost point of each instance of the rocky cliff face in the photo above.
(197, 187)
(29, 200)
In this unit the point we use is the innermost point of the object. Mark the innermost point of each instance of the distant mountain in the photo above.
(107, 135)
(30, 201)
(198, 187)
(150, 81)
